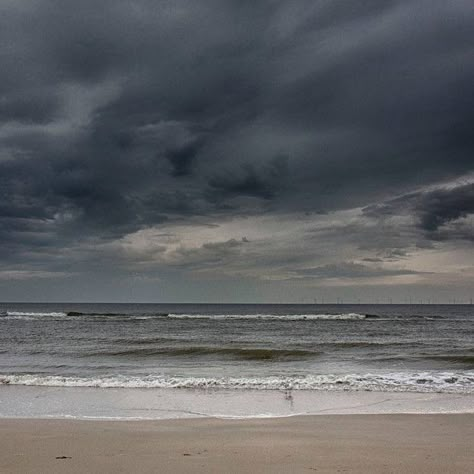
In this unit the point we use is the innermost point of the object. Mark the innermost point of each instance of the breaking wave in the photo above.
(287, 317)
(282, 317)
(30, 315)
(27, 315)
(441, 382)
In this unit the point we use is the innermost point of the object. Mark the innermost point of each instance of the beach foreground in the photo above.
(334, 443)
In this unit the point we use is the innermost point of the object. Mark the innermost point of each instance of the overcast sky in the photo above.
(220, 150)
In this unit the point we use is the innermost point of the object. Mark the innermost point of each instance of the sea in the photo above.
(236, 350)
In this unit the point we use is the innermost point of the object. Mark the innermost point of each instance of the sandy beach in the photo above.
(345, 443)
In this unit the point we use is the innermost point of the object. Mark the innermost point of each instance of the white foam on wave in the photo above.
(433, 381)
(27, 315)
(288, 317)
(30, 314)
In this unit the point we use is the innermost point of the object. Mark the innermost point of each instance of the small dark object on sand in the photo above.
(63, 457)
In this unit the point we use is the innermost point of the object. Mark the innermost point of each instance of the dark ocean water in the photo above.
(420, 348)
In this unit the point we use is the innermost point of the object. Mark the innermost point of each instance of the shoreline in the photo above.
(422, 443)
(76, 403)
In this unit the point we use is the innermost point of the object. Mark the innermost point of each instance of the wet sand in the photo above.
(324, 443)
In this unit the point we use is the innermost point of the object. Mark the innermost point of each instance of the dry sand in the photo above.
(333, 443)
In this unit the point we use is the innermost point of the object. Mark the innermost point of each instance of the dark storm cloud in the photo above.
(129, 114)
(439, 212)
(182, 159)
(247, 180)
(445, 205)
(210, 255)
(32, 108)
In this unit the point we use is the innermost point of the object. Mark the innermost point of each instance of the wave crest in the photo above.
(27, 315)
(31, 314)
(442, 382)
(284, 317)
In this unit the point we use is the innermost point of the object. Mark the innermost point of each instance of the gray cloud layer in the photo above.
(131, 115)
